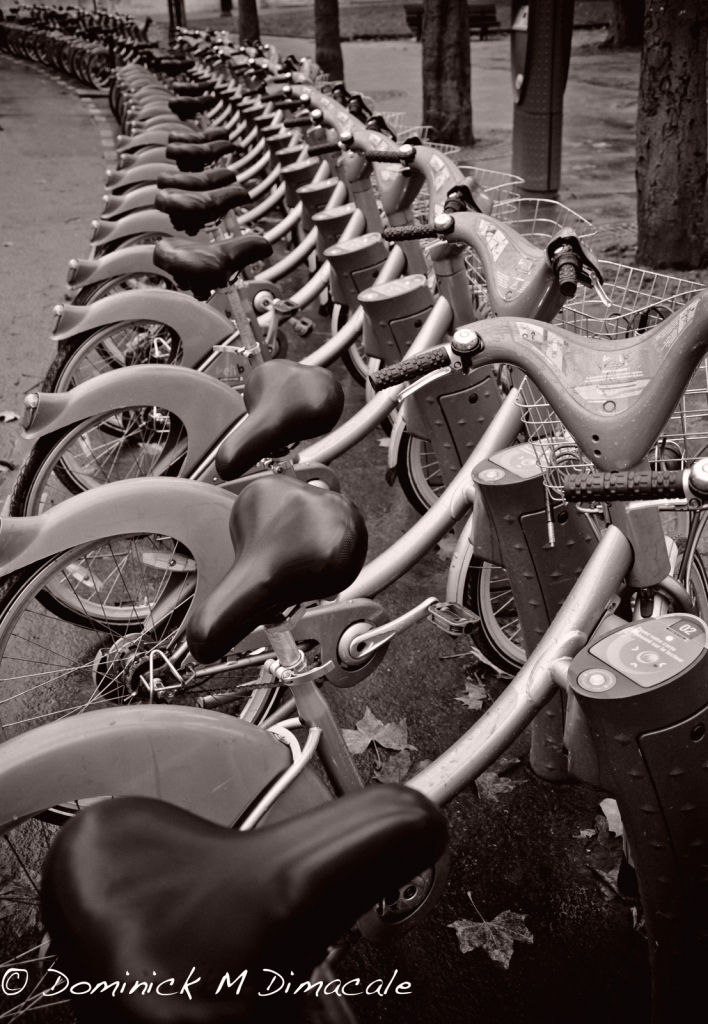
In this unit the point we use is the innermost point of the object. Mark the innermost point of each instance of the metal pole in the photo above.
(541, 35)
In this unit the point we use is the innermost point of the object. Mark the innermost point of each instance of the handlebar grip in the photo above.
(377, 156)
(298, 122)
(408, 232)
(320, 148)
(287, 104)
(409, 369)
(628, 485)
(568, 279)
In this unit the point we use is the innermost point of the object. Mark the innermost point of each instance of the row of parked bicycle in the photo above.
(165, 536)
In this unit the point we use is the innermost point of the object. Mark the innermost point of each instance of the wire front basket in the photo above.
(499, 185)
(640, 300)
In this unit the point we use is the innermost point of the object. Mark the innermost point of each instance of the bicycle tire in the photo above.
(109, 348)
(418, 472)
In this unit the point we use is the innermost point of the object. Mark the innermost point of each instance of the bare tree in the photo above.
(328, 49)
(627, 25)
(672, 136)
(447, 89)
(248, 28)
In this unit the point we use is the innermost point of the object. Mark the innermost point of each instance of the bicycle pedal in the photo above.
(453, 618)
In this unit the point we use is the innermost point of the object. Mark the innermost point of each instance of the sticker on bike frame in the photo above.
(494, 237)
(546, 342)
(666, 337)
(520, 460)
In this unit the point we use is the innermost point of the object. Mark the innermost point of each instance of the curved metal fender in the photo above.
(140, 222)
(144, 173)
(199, 325)
(206, 406)
(142, 198)
(136, 259)
(154, 137)
(211, 764)
(195, 514)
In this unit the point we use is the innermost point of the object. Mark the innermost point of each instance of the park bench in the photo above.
(482, 16)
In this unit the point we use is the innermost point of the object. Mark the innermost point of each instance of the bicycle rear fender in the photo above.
(206, 406)
(141, 173)
(115, 207)
(211, 764)
(135, 260)
(195, 514)
(141, 222)
(198, 325)
(131, 143)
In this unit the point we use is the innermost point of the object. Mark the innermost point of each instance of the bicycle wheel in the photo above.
(132, 444)
(418, 472)
(129, 343)
(116, 285)
(102, 624)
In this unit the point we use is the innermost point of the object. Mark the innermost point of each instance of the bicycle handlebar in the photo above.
(630, 485)
(410, 232)
(409, 369)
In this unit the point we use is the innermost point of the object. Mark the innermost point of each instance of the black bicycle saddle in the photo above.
(189, 106)
(195, 156)
(202, 268)
(286, 403)
(190, 211)
(185, 134)
(293, 543)
(188, 88)
(197, 181)
(140, 886)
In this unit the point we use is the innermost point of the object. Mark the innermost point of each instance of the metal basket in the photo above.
(538, 220)
(640, 300)
(499, 185)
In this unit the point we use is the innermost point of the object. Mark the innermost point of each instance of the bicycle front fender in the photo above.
(198, 325)
(137, 259)
(206, 406)
(195, 514)
(211, 764)
(140, 174)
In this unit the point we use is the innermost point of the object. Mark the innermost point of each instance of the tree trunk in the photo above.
(248, 28)
(627, 26)
(447, 91)
(671, 136)
(328, 50)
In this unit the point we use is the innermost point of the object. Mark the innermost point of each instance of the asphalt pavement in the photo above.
(533, 848)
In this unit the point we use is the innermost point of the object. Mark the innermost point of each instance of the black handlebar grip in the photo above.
(320, 148)
(408, 232)
(568, 279)
(381, 156)
(409, 369)
(628, 485)
(298, 122)
(288, 104)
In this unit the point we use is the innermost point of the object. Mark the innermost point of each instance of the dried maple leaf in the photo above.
(370, 729)
(496, 937)
(585, 833)
(396, 769)
(473, 697)
(490, 785)
(611, 811)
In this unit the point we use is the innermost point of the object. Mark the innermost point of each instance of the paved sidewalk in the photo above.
(53, 152)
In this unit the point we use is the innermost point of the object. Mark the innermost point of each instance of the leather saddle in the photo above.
(197, 181)
(286, 403)
(293, 543)
(186, 107)
(195, 156)
(140, 889)
(202, 268)
(190, 211)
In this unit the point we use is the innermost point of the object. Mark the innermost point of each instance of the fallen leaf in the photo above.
(370, 729)
(608, 882)
(6, 466)
(585, 833)
(611, 811)
(384, 442)
(497, 937)
(446, 548)
(8, 416)
(396, 769)
(490, 664)
(473, 697)
(490, 785)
